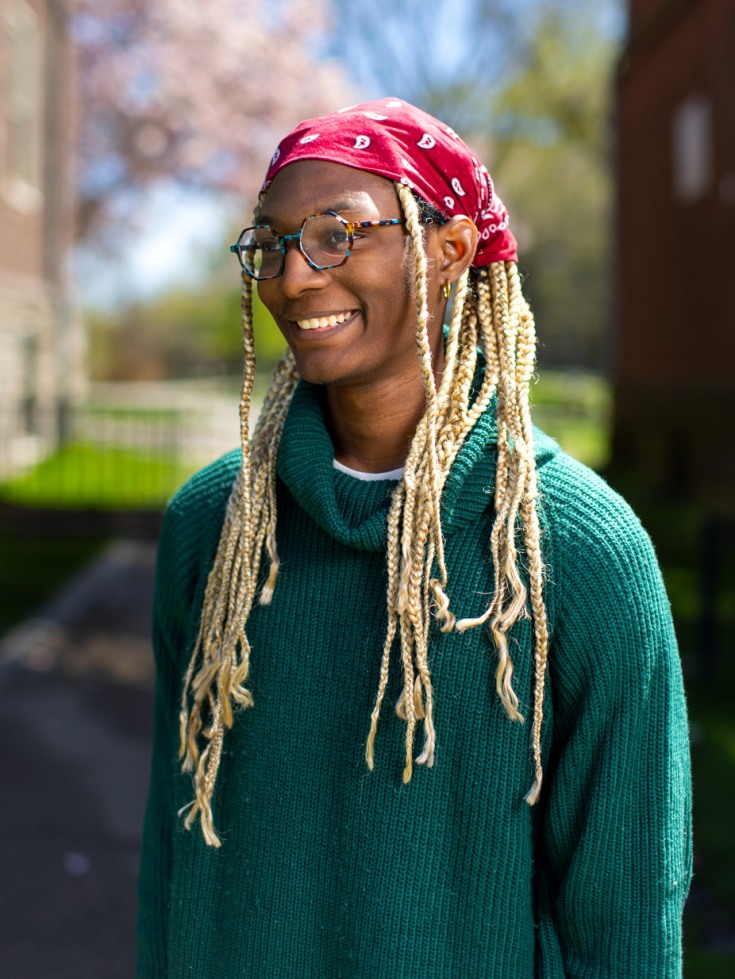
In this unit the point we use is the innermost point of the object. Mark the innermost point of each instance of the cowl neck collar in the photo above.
(354, 511)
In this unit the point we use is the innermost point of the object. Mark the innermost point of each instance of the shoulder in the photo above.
(611, 627)
(205, 492)
(194, 516)
(583, 513)
(190, 533)
(603, 581)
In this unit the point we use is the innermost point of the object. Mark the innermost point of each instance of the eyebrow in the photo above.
(347, 204)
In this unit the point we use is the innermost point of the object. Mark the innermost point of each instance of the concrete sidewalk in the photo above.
(76, 701)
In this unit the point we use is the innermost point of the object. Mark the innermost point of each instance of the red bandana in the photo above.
(400, 142)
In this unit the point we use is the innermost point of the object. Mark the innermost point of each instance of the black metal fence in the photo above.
(109, 456)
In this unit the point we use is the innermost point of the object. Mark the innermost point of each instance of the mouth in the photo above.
(324, 323)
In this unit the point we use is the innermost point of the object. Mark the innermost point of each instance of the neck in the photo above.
(372, 425)
(372, 429)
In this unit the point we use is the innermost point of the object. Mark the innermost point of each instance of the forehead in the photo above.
(309, 186)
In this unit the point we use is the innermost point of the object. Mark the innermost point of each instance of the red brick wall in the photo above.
(676, 259)
(643, 12)
(675, 357)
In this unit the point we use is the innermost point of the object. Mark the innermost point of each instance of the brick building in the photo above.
(40, 334)
(675, 357)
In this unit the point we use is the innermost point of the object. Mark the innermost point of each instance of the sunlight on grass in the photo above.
(573, 407)
(103, 478)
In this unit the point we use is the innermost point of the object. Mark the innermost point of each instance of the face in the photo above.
(355, 324)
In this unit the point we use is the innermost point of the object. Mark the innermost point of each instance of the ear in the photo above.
(454, 247)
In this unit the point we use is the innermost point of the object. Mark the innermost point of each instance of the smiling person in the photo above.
(465, 753)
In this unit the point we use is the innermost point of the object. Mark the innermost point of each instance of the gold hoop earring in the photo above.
(446, 289)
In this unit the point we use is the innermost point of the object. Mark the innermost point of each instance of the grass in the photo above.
(85, 476)
(709, 965)
(574, 408)
(571, 407)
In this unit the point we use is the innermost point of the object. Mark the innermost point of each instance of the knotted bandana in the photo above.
(396, 140)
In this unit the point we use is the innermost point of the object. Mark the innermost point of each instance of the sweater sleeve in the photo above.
(186, 549)
(616, 853)
(155, 867)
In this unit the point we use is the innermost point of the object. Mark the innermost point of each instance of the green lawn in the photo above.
(83, 476)
(571, 407)
(574, 408)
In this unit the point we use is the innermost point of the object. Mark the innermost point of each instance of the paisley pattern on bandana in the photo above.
(394, 139)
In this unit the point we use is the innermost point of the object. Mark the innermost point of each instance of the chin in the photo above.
(317, 373)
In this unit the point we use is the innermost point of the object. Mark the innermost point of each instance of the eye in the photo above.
(336, 236)
(269, 245)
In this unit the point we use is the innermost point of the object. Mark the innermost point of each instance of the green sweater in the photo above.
(327, 870)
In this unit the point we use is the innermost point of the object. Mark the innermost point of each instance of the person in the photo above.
(465, 751)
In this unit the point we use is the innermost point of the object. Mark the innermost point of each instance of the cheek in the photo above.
(267, 296)
(265, 293)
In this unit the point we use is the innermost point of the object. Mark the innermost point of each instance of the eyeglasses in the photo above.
(325, 240)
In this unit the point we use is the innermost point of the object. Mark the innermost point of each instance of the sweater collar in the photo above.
(353, 511)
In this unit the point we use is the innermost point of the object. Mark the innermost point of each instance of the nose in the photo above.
(298, 276)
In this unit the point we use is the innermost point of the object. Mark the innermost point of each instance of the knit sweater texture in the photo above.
(328, 870)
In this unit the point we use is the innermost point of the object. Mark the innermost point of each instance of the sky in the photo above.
(177, 239)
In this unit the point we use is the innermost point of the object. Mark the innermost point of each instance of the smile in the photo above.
(324, 322)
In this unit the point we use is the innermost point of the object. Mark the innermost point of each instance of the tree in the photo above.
(552, 162)
(197, 93)
(528, 86)
(184, 332)
(444, 57)
(449, 58)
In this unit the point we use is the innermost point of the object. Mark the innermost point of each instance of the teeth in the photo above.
(321, 322)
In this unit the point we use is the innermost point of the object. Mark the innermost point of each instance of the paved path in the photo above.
(75, 722)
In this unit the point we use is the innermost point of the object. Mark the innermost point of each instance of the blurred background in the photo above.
(133, 138)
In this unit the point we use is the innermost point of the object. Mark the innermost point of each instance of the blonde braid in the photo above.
(489, 311)
(421, 517)
(510, 343)
(532, 533)
(497, 314)
(220, 662)
(430, 504)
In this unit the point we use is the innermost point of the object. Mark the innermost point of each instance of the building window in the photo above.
(692, 148)
(21, 94)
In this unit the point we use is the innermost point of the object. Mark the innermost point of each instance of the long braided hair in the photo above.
(490, 312)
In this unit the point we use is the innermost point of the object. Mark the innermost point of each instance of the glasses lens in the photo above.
(261, 252)
(324, 241)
